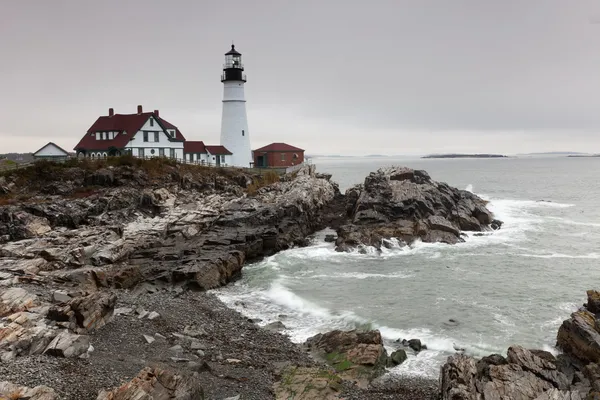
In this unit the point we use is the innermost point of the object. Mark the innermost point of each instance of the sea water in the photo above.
(512, 286)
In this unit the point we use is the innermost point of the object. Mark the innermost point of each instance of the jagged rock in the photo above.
(355, 354)
(13, 391)
(157, 384)
(524, 374)
(93, 311)
(407, 204)
(578, 336)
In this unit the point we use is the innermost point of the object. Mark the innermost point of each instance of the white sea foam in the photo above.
(560, 255)
(469, 188)
(361, 275)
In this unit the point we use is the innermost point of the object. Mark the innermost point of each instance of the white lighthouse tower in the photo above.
(234, 122)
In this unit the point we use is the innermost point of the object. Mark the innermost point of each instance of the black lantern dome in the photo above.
(233, 69)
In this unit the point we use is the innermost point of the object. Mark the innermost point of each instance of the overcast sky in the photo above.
(344, 76)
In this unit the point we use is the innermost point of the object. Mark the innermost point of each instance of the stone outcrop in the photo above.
(31, 326)
(522, 375)
(580, 334)
(121, 236)
(356, 355)
(158, 384)
(534, 374)
(403, 204)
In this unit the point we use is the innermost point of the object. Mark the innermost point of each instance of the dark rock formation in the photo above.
(406, 205)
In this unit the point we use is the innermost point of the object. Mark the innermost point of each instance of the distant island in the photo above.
(584, 155)
(464, 156)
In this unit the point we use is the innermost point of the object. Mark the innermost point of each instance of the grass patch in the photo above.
(338, 361)
(268, 178)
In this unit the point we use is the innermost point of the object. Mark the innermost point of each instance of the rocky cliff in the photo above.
(72, 234)
(405, 204)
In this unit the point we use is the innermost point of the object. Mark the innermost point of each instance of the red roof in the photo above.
(279, 147)
(130, 123)
(194, 147)
(218, 150)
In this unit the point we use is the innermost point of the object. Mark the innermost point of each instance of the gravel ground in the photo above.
(196, 332)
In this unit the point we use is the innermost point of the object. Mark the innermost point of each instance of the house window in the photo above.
(152, 151)
(191, 157)
(172, 153)
(145, 136)
(242, 132)
(141, 153)
(151, 122)
(156, 136)
(282, 156)
(161, 152)
(223, 159)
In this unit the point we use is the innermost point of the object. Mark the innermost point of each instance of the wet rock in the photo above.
(157, 383)
(415, 344)
(396, 358)
(330, 238)
(275, 326)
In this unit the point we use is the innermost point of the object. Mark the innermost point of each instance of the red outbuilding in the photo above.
(278, 155)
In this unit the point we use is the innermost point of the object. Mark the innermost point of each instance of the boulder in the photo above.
(406, 204)
(357, 355)
(396, 358)
(158, 383)
(12, 391)
(68, 345)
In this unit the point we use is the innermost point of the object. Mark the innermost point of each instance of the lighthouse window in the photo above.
(242, 132)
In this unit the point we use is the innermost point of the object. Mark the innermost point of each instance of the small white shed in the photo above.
(51, 152)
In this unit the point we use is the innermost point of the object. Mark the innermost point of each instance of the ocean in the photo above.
(512, 286)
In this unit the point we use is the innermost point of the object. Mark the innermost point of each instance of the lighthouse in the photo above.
(234, 122)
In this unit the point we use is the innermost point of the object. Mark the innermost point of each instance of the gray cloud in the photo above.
(396, 77)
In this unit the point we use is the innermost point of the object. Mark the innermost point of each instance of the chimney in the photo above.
(111, 112)
(139, 109)
(156, 113)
